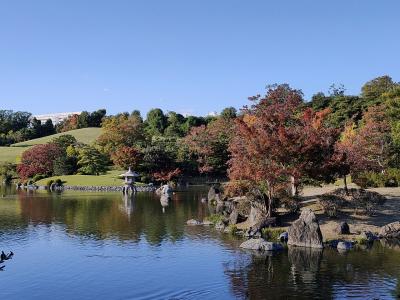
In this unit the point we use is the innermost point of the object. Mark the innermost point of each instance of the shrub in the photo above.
(391, 178)
(367, 201)
(232, 229)
(291, 203)
(236, 188)
(38, 177)
(49, 183)
(272, 234)
(331, 204)
(59, 182)
(215, 218)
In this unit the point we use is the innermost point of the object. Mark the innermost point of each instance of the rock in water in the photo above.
(214, 194)
(344, 246)
(193, 222)
(343, 228)
(305, 231)
(390, 231)
(261, 245)
(367, 236)
(207, 223)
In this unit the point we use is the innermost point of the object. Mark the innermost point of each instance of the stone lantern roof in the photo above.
(130, 173)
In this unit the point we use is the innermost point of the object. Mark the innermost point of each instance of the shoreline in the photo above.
(90, 188)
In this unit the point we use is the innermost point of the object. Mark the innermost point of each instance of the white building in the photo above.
(55, 117)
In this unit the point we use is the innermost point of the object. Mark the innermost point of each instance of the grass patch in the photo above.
(83, 135)
(232, 229)
(272, 234)
(214, 218)
(111, 178)
(10, 154)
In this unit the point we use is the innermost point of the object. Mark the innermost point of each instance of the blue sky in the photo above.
(187, 56)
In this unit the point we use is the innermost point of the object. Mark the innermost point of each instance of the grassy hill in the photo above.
(84, 135)
(11, 154)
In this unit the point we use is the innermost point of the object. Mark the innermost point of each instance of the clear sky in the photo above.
(187, 56)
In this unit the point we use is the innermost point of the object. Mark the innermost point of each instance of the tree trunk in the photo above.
(293, 186)
(269, 213)
(345, 184)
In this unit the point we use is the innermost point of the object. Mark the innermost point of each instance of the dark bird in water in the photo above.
(10, 255)
(3, 256)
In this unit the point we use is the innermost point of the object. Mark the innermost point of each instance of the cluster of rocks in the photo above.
(358, 199)
(304, 232)
(390, 231)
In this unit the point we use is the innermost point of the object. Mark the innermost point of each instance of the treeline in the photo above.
(162, 147)
(277, 144)
(20, 126)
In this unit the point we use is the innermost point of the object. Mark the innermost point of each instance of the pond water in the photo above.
(105, 246)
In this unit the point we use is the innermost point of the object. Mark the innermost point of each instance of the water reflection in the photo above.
(314, 273)
(128, 204)
(146, 234)
(164, 201)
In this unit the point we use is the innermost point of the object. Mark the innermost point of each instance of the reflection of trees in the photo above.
(307, 273)
(112, 215)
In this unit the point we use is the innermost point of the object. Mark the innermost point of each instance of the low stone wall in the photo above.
(146, 188)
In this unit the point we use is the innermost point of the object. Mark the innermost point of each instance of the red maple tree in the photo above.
(277, 142)
(38, 160)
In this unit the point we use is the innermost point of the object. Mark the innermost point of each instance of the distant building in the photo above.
(55, 117)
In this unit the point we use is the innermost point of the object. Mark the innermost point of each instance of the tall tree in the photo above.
(156, 122)
(276, 144)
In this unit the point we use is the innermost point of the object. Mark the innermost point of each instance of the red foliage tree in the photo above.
(275, 141)
(209, 144)
(121, 130)
(70, 123)
(365, 148)
(126, 157)
(38, 160)
(166, 175)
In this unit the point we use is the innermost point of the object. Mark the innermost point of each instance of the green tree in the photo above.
(229, 113)
(156, 122)
(91, 161)
(175, 122)
(64, 141)
(372, 91)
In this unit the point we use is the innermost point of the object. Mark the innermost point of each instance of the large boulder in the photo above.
(305, 231)
(390, 231)
(164, 190)
(235, 217)
(261, 245)
(214, 194)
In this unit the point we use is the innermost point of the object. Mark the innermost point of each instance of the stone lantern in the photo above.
(129, 182)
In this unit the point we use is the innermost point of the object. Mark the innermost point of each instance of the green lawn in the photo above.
(111, 178)
(10, 154)
(84, 135)
(13, 153)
